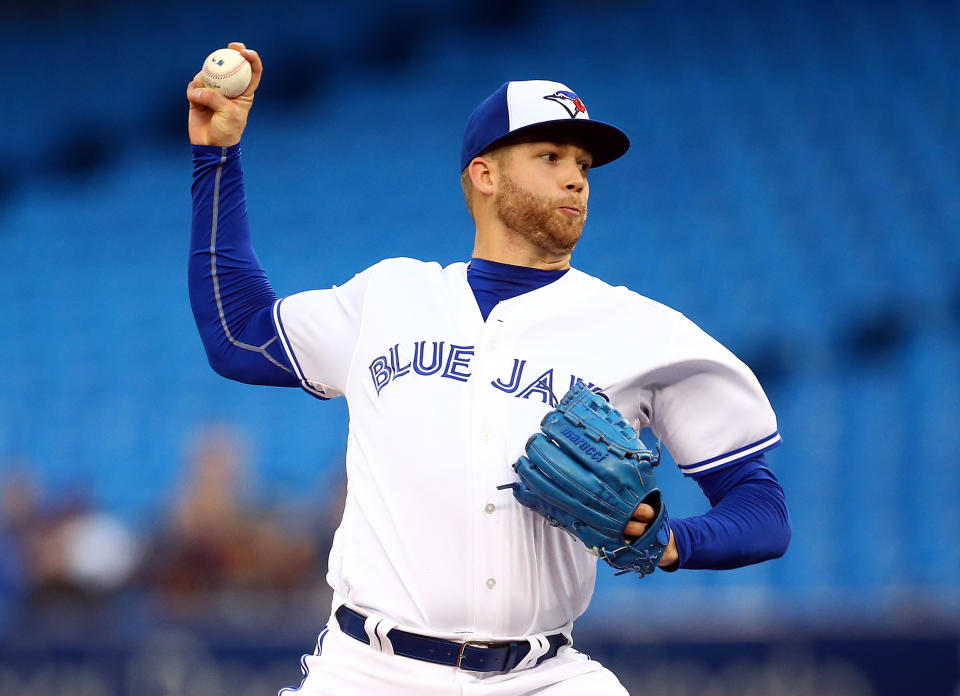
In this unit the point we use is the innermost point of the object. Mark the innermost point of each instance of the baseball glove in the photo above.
(586, 472)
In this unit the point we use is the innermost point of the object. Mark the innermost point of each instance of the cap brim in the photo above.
(605, 142)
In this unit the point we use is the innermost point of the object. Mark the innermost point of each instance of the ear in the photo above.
(482, 172)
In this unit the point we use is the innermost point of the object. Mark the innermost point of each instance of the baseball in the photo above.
(226, 71)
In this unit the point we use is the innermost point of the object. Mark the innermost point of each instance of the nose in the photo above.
(574, 178)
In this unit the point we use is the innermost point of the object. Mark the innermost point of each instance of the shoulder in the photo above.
(399, 270)
(637, 313)
(621, 298)
(404, 279)
(406, 266)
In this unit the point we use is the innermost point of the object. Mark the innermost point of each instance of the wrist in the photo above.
(671, 556)
(218, 150)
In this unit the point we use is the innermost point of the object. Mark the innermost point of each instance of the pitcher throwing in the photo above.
(468, 546)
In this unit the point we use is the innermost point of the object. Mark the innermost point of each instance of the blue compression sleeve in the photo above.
(229, 292)
(748, 522)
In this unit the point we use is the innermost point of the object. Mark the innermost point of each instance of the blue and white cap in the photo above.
(535, 106)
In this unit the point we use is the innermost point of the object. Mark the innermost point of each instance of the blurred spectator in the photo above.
(218, 549)
(219, 556)
(100, 553)
(17, 502)
(56, 550)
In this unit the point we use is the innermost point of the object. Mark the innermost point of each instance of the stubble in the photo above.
(537, 218)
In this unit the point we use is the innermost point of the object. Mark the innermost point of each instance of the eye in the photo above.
(549, 157)
(584, 166)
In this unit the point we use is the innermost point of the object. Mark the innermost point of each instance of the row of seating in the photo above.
(791, 187)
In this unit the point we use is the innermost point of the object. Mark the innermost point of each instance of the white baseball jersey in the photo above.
(442, 403)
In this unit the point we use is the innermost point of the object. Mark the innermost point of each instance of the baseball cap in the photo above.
(529, 107)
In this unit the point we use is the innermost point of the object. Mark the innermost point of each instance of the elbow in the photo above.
(220, 361)
(779, 524)
(222, 354)
(786, 529)
(229, 367)
(248, 368)
(220, 366)
(780, 542)
(780, 550)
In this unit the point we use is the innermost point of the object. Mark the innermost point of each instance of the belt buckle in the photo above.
(477, 643)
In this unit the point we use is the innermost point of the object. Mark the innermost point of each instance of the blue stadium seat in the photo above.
(790, 175)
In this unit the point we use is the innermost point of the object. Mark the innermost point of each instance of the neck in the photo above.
(503, 246)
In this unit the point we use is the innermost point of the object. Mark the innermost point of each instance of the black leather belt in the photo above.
(473, 656)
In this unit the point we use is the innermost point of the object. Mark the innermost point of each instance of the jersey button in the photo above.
(490, 507)
(491, 583)
(486, 436)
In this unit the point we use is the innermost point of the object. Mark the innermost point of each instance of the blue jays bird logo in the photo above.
(569, 101)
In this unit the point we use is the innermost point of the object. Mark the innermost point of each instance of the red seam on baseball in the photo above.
(228, 74)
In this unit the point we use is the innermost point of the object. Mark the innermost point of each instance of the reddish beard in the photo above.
(538, 218)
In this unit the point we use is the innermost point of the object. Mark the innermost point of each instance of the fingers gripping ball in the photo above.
(586, 472)
(226, 71)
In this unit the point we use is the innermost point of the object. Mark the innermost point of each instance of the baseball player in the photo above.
(463, 557)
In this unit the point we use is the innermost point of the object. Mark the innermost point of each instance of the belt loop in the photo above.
(370, 628)
(539, 645)
(382, 630)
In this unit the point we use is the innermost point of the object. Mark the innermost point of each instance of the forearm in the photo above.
(748, 523)
(230, 295)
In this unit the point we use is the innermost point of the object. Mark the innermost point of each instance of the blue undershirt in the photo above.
(232, 304)
(493, 282)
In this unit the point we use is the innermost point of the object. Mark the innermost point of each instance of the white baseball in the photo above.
(226, 71)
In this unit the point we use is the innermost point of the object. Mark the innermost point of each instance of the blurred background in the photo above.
(792, 187)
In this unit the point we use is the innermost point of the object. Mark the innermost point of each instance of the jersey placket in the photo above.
(491, 573)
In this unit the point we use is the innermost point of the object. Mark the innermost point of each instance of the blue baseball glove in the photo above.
(586, 472)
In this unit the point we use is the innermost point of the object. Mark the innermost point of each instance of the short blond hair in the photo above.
(466, 183)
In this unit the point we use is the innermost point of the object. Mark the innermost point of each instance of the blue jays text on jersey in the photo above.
(449, 361)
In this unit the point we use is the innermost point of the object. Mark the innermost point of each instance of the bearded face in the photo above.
(538, 219)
